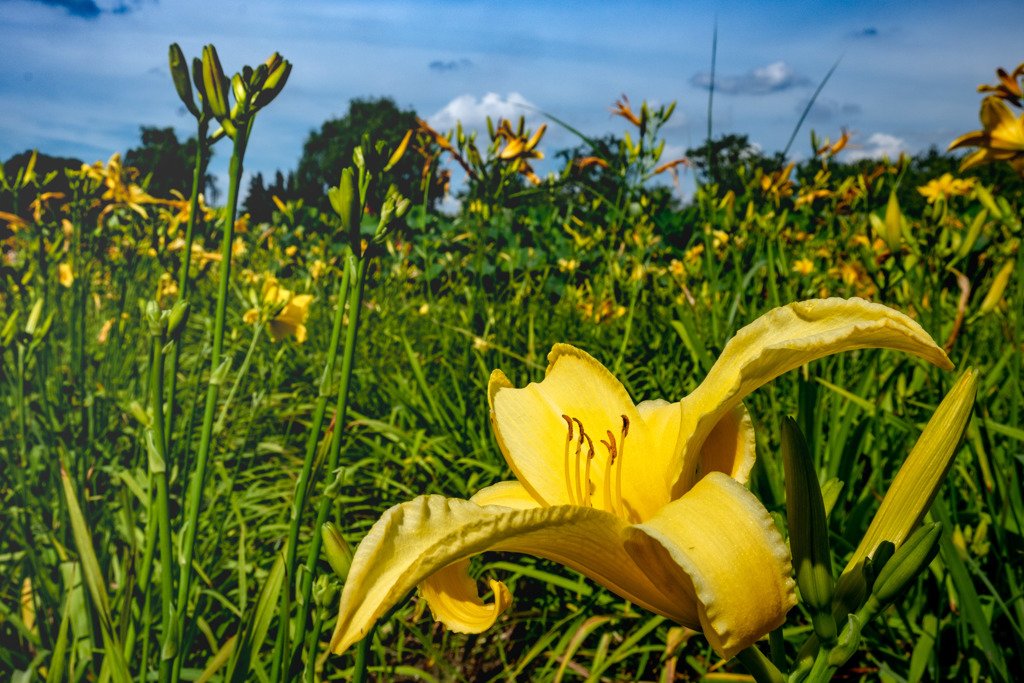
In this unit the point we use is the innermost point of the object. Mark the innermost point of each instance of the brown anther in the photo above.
(568, 421)
(625, 426)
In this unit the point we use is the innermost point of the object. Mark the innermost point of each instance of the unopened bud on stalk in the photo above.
(177, 319)
(155, 319)
(808, 532)
(995, 292)
(893, 224)
(337, 550)
(276, 78)
(33, 317)
(215, 83)
(179, 73)
(345, 202)
(912, 491)
(913, 556)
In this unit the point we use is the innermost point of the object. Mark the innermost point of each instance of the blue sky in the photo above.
(80, 76)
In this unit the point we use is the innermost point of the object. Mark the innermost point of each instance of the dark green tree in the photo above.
(721, 161)
(328, 151)
(165, 164)
(259, 202)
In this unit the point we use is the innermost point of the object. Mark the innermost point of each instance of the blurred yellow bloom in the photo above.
(648, 500)
(622, 108)
(64, 275)
(721, 238)
(1001, 139)
(1007, 88)
(317, 268)
(692, 255)
(286, 313)
(104, 333)
(677, 268)
(778, 185)
(568, 265)
(804, 266)
(290, 251)
(945, 186)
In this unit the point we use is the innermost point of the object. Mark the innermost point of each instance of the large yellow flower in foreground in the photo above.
(648, 500)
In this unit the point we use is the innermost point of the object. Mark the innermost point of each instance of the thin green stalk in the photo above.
(362, 650)
(219, 426)
(158, 470)
(198, 477)
(198, 171)
(302, 485)
(358, 265)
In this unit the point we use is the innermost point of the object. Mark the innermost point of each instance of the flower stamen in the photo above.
(579, 448)
(568, 442)
(618, 467)
(610, 445)
(586, 475)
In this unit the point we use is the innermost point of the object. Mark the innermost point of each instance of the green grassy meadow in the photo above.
(172, 438)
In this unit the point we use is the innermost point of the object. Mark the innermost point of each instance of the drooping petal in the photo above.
(781, 340)
(532, 433)
(453, 599)
(414, 540)
(720, 551)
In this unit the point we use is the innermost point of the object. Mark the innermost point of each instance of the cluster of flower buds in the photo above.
(371, 160)
(253, 89)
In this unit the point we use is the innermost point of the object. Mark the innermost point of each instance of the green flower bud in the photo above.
(893, 224)
(179, 73)
(345, 202)
(139, 413)
(808, 531)
(33, 317)
(337, 550)
(240, 88)
(177, 319)
(215, 83)
(155, 319)
(274, 82)
(910, 559)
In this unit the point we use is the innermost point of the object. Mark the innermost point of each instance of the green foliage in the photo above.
(595, 256)
(327, 151)
(165, 165)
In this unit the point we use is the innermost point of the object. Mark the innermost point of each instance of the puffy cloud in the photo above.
(473, 113)
(879, 145)
(774, 77)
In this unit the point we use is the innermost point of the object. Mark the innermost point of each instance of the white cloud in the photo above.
(774, 77)
(879, 145)
(473, 113)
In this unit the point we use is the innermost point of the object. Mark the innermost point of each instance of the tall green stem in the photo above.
(198, 476)
(357, 264)
(158, 470)
(303, 483)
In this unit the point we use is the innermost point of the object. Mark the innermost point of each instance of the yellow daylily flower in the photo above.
(290, 311)
(65, 275)
(1001, 139)
(945, 186)
(646, 499)
(804, 266)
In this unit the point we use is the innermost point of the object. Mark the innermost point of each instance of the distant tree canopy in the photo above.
(259, 202)
(720, 162)
(328, 151)
(164, 164)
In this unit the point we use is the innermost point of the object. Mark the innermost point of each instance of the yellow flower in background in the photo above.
(64, 275)
(1001, 138)
(804, 266)
(945, 186)
(778, 185)
(1007, 88)
(286, 313)
(692, 255)
(648, 500)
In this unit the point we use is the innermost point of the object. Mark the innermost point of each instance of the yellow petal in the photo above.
(781, 340)
(720, 551)
(415, 540)
(453, 599)
(914, 489)
(532, 431)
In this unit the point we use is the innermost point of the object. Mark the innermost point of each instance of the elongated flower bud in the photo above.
(345, 201)
(215, 83)
(337, 550)
(893, 220)
(995, 292)
(177, 319)
(913, 556)
(179, 74)
(808, 531)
